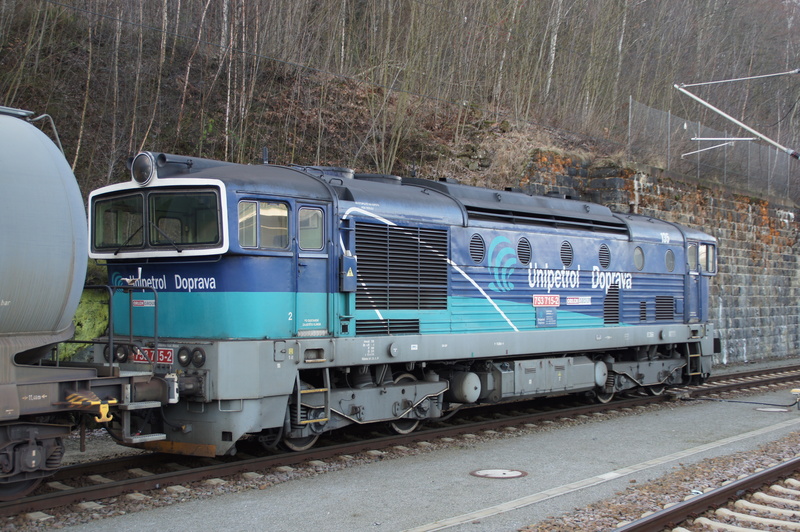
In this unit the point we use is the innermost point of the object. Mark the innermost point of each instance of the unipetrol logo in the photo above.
(180, 283)
(159, 283)
(502, 260)
(549, 279)
(605, 280)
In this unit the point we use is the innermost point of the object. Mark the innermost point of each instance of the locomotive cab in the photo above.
(701, 259)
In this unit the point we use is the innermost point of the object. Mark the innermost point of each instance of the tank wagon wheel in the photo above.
(14, 490)
(655, 390)
(300, 444)
(404, 426)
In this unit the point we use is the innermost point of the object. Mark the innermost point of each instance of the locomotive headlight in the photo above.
(143, 168)
(198, 357)
(121, 353)
(184, 356)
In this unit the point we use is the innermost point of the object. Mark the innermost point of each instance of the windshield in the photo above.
(176, 219)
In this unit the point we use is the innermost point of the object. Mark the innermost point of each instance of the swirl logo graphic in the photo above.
(502, 259)
(116, 279)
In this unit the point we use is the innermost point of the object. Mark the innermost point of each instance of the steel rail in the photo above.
(674, 515)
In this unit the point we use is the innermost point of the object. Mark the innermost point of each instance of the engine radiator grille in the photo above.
(384, 327)
(665, 307)
(401, 267)
(611, 306)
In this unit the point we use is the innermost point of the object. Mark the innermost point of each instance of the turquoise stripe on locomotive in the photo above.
(289, 301)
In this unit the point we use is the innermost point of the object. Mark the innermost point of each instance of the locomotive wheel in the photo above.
(15, 490)
(603, 397)
(655, 390)
(404, 425)
(300, 444)
(270, 438)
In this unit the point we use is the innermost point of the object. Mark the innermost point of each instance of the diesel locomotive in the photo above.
(282, 302)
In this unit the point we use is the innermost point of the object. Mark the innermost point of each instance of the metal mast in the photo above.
(682, 87)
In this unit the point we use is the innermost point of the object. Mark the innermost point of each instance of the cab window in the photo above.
(119, 222)
(263, 224)
(310, 228)
(183, 219)
(707, 258)
(691, 257)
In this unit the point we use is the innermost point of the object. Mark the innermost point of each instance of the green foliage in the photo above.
(96, 274)
(91, 321)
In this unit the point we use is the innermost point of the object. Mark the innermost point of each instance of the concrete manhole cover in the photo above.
(498, 473)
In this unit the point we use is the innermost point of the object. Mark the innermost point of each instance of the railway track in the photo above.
(766, 500)
(135, 476)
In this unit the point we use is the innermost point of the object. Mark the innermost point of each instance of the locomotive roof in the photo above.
(282, 180)
(511, 207)
(517, 207)
(443, 201)
(456, 203)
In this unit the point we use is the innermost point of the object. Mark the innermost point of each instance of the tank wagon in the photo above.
(291, 301)
(43, 239)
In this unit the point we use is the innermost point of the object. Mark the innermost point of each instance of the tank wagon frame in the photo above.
(297, 300)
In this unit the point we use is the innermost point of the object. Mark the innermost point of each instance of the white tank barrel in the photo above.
(43, 239)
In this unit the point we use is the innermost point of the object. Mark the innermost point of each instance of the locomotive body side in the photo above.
(293, 301)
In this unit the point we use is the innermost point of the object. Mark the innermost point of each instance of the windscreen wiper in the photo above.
(166, 236)
(129, 239)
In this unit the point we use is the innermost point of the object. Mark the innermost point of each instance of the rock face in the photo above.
(754, 298)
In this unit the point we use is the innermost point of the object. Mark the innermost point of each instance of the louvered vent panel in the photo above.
(477, 249)
(665, 308)
(401, 267)
(642, 310)
(524, 251)
(611, 305)
(605, 256)
(384, 327)
(566, 254)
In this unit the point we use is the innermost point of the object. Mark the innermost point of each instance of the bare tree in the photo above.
(86, 93)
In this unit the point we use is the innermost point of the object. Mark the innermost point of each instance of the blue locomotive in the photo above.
(283, 302)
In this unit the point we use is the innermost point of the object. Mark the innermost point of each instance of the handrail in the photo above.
(130, 289)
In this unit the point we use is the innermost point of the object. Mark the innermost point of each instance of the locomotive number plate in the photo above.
(548, 300)
(145, 354)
